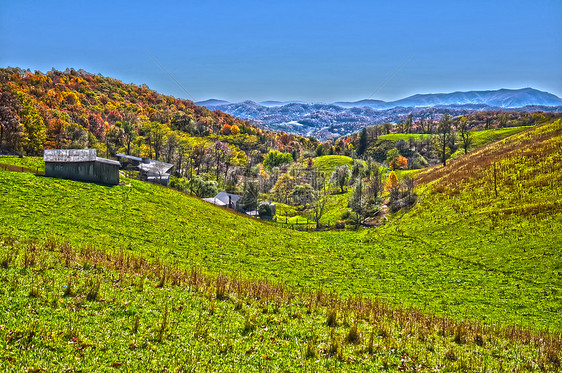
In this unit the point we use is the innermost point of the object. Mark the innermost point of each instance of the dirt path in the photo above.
(380, 218)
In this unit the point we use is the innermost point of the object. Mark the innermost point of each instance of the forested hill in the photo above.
(76, 109)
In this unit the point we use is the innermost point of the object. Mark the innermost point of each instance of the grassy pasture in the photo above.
(66, 309)
(34, 164)
(461, 251)
(427, 258)
(485, 137)
(328, 163)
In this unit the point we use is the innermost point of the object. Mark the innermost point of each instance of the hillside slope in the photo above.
(66, 309)
(77, 109)
(452, 254)
(517, 229)
(516, 233)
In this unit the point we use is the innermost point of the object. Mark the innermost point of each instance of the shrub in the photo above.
(203, 188)
(275, 159)
(265, 211)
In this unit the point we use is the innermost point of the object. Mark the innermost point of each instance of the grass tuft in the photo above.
(93, 290)
(353, 336)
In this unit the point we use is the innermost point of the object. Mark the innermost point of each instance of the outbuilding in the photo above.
(149, 170)
(81, 165)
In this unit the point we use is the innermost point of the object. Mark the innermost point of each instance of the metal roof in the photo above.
(214, 201)
(131, 157)
(75, 155)
(69, 155)
(108, 161)
(223, 196)
(156, 167)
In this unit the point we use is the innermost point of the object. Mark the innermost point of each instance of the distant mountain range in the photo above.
(342, 118)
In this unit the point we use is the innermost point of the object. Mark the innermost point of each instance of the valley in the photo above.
(411, 258)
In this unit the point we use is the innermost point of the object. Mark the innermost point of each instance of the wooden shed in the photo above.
(81, 165)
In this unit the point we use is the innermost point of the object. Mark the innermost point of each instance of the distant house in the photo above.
(150, 170)
(81, 165)
(224, 199)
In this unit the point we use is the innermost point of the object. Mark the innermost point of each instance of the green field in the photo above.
(485, 137)
(444, 257)
(81, 310)
(328, 163)
(462, 253)
(33, 164)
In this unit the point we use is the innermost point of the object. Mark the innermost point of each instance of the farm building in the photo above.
(81, 165)
(224, 199)
(149, 170)
(129, 160)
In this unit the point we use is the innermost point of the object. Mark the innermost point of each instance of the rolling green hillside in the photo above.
(485, 137)
(126, 276)
(328, 163)
(517, 231)
(452, 254)
(85, 310)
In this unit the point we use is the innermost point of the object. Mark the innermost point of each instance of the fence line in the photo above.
(14, 168)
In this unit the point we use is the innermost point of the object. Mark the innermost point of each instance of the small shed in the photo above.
(80, 165)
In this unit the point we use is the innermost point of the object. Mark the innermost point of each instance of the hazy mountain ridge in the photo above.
(502, 98)
(342, 118)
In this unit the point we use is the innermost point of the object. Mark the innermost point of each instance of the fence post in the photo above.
(495, 180)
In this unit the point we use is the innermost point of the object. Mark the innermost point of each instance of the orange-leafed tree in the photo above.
(285, 139)
(398, 163)
(226, 129)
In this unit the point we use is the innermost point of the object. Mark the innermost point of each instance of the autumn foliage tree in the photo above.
(226, 129)
(392, 185)
(398, 163)
(11, 129)
(235, 130)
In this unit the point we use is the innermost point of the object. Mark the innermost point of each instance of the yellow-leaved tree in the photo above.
(392, 185)
(235, 130)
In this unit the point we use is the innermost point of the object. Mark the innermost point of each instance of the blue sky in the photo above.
(316, 51)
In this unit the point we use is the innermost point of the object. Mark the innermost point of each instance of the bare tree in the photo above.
(318, 205)
(443, 138)
(376, 185)
(357, 201)
(171, 147)
(408, 184)
(466, 135)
